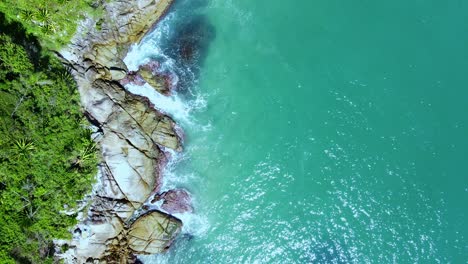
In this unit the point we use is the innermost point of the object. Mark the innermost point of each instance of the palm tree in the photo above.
(43, 15)
(48, 28)
(23, 147)
(27, 15)
(85, 156)
(66, 76)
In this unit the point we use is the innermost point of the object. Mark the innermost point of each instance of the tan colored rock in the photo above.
(131, 175)
(159, 83)
(135, 117)
(153, 232)
(117, 74)
(91, 246)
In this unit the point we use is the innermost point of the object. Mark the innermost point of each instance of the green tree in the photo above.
(47, 158)
(52, 21)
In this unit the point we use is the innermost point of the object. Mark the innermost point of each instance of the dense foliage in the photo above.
(53, 21)
(47, 159)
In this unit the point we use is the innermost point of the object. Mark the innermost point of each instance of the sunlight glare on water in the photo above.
(319, 131)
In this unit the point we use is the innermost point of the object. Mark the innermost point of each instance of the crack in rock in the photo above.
(116, 227)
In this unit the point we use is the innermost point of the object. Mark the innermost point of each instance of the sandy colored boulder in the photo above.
(157, 81)
(153, 232)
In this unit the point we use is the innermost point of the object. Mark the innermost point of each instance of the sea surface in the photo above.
(317, 131)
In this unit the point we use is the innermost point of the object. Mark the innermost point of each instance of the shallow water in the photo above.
(320, 131)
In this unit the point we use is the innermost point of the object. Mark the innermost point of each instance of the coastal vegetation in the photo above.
(52, 21)
(47, 158)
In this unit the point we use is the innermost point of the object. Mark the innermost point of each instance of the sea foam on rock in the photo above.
(116, 226)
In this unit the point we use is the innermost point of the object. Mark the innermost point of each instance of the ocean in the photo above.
(317, 131)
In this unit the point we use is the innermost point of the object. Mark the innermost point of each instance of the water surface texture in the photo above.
(318, 131)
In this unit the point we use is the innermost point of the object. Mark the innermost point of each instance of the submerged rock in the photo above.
(192, 40)
(188, 46)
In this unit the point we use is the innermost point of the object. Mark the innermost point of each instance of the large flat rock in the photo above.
(153, 232)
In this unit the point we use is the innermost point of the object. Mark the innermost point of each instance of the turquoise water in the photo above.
(324, 131)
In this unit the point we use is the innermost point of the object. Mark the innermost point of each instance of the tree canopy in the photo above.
(47, 158)
(52, 21)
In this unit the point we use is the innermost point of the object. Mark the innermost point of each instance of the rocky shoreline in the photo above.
(126, 214)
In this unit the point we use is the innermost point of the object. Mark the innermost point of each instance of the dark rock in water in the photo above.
(193, 39)
(152, 74)
(187, 237)
(175, 201)
(152, 66)
(188, 46)
(137, 261)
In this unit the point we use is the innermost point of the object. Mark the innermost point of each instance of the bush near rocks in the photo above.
(47, 159)
(52, 21)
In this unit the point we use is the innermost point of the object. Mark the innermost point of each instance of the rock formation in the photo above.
(174, 201)
(132, 136)
(159, 81)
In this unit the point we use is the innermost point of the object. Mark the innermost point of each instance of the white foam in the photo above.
(176, 107)
(171, 105)
(149, 46)
(194, 224)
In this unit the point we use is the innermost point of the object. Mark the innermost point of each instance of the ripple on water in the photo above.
(362, 209)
